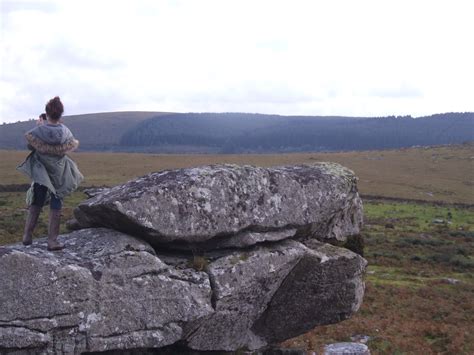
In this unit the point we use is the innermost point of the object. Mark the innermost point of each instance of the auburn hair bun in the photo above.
(54, 108)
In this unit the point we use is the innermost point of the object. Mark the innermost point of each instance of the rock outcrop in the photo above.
(238, 266)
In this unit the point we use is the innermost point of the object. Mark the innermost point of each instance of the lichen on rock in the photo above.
(220, 202)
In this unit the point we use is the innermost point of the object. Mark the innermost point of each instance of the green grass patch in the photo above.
(403, 234)
(397, 277)
(423, 216)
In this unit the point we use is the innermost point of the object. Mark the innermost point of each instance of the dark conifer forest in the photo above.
(243, 133)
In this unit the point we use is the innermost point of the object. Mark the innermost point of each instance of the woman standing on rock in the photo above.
(54, 174)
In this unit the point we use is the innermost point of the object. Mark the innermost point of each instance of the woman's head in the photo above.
(54, 108)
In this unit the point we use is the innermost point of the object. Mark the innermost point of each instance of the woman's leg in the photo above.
(54, 223)
(34, 210)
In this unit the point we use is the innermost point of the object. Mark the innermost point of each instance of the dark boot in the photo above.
(30, 224)
(53, 230)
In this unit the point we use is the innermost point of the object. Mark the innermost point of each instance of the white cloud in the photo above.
(368, 57)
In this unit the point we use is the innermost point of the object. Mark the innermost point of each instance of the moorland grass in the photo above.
(436, 174)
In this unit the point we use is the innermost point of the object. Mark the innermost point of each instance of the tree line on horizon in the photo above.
(258, 133)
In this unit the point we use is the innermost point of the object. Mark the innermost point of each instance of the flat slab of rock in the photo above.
(110, 291)
(230, 206)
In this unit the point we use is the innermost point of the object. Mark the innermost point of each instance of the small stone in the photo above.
(360, 338)
(94, 191)
(346, 349)
(450, 281)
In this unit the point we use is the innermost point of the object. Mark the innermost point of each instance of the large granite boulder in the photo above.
(110, 291)
(220, 206)
(211, 258)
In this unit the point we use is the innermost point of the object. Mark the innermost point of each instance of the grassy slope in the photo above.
(88, 128)
(435, 174)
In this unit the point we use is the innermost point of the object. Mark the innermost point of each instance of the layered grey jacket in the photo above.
(48, 164)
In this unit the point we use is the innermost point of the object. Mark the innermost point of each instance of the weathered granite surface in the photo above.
(108, 290)
(229, 205)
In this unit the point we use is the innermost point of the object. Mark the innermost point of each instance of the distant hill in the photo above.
(95, 131)
(252, 133)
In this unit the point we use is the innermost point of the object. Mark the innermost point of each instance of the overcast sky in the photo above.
(290, 57)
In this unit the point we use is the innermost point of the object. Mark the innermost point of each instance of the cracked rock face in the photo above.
(230, 206)
(108, 291)
(260, 270)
